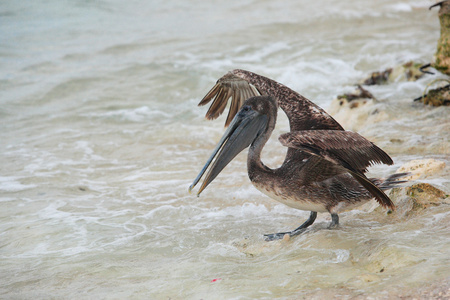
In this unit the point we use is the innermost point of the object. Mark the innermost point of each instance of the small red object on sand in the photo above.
(217, 279)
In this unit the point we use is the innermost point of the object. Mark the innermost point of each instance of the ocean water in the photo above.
(101, 137)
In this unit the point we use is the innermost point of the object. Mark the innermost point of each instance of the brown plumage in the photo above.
(324, 166)
(241, 85)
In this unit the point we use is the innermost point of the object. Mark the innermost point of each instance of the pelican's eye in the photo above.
(246, 108)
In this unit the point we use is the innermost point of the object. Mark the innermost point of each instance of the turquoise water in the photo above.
(101, 137)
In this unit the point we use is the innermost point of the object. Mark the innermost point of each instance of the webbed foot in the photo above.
(297, 231)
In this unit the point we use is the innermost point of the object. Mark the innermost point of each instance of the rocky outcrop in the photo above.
(419, 196)
(442, 57)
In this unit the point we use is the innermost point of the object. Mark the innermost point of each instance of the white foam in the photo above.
(400, 7)
(262, 53)
(139, 114)
(12, 184)
(246, 210)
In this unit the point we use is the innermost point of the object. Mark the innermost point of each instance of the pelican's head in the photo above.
(256, 116)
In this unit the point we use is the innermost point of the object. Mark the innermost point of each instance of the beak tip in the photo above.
(200, 190)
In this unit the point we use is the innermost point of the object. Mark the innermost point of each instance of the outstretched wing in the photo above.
(239, 85)
(228, 86)
(345, 149)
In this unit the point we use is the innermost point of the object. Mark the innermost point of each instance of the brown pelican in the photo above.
(324, 166)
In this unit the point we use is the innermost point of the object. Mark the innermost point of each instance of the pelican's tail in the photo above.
(390, 182)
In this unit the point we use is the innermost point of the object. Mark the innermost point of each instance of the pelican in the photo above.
(325, 165)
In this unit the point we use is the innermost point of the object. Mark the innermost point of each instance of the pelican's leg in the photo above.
(334, 221)
(300, 229)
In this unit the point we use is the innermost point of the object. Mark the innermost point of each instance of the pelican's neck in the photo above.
(255, 166)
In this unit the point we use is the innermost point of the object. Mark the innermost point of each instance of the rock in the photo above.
(416, 198)
(425, 194)
(436, 97)
(286, 238)
(421, 168)
(354, 110)
(409, 71)
(377, 78)
(359, 94)
(412, 200)
(442, 57)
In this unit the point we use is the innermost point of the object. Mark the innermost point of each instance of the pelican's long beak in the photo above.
(243, 130)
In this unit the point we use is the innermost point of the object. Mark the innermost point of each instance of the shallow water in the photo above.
(101, 137)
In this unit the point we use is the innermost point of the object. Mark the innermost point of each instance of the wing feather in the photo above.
(316, 169)
(210, 94)
(345, 149)
(234, 107)
(229, 86)
(218, 105)
(381, 197)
